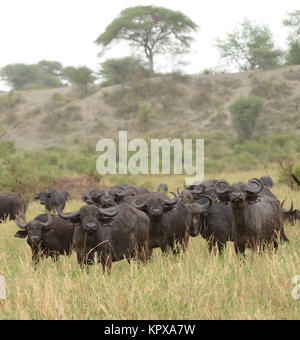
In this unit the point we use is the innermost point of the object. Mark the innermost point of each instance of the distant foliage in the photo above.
(122, 70)
(81, 76)
(250, 47)
(22, 76)
(245, 112)
(293, 54)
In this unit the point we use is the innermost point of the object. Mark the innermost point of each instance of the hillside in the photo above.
(163, 107)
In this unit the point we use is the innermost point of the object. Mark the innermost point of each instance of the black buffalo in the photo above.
(170, 220)
(11, 206)
(267, 181)
(47, 235)
(162, 187)
(112, 233)
(52, 198)
(257, 219)
(214, 224)
(106, 197)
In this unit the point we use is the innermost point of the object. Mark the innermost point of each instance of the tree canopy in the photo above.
(22, 76)
(81, 76)
(250, 47)
(155, 30)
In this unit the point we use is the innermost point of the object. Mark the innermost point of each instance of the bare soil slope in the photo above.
(163, 107)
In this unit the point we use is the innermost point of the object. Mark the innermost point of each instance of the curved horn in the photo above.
(189, 187)
(291, 208)
(252, 190)
(138, 206)
(202, 208)
(122, 194)
(209, 198)
(197, 192)
(218, 190)
(20, 225)
(109, 212)
(173, 201)
(50, 218)
(67, 216)
(282, 203)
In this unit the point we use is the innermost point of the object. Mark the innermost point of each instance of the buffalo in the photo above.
(52, 198)
(162, 188)
(12, 205)
(47, 235)
(112, 233)
(215, 222)
(267, 181)
(170, 220)
(105, 198)
(257, 219)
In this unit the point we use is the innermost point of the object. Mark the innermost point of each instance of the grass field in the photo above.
(195, 285)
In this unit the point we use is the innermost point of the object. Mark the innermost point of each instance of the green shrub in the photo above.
(7, 148)
(245, 112)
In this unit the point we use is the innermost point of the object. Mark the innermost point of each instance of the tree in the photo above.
(251, 47)
(155, 30)
(81, 76)
(23, 76)
(245, 112)
(292, 22)
(51, 67)
(121, 70)
(293, 54)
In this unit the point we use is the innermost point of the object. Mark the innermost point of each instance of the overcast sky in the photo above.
(65, 30)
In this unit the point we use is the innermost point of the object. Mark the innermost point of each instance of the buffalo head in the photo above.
(89, 216)
(155, 206)
(34, 229)
(239, 192)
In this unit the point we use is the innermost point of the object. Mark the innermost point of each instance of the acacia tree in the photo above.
(250, 47)
(155, 30)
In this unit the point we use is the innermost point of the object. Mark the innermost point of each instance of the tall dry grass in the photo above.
(195, 285)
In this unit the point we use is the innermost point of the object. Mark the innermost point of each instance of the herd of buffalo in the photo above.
(129, 222)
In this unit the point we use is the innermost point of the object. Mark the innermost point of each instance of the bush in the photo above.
(122, 70)
(245, 112)
(7, 148)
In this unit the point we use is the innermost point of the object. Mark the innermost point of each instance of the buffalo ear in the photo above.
(21, 233)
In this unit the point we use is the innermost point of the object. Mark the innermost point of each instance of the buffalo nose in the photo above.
(91, 226)
(35, 239)
(237, 196)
